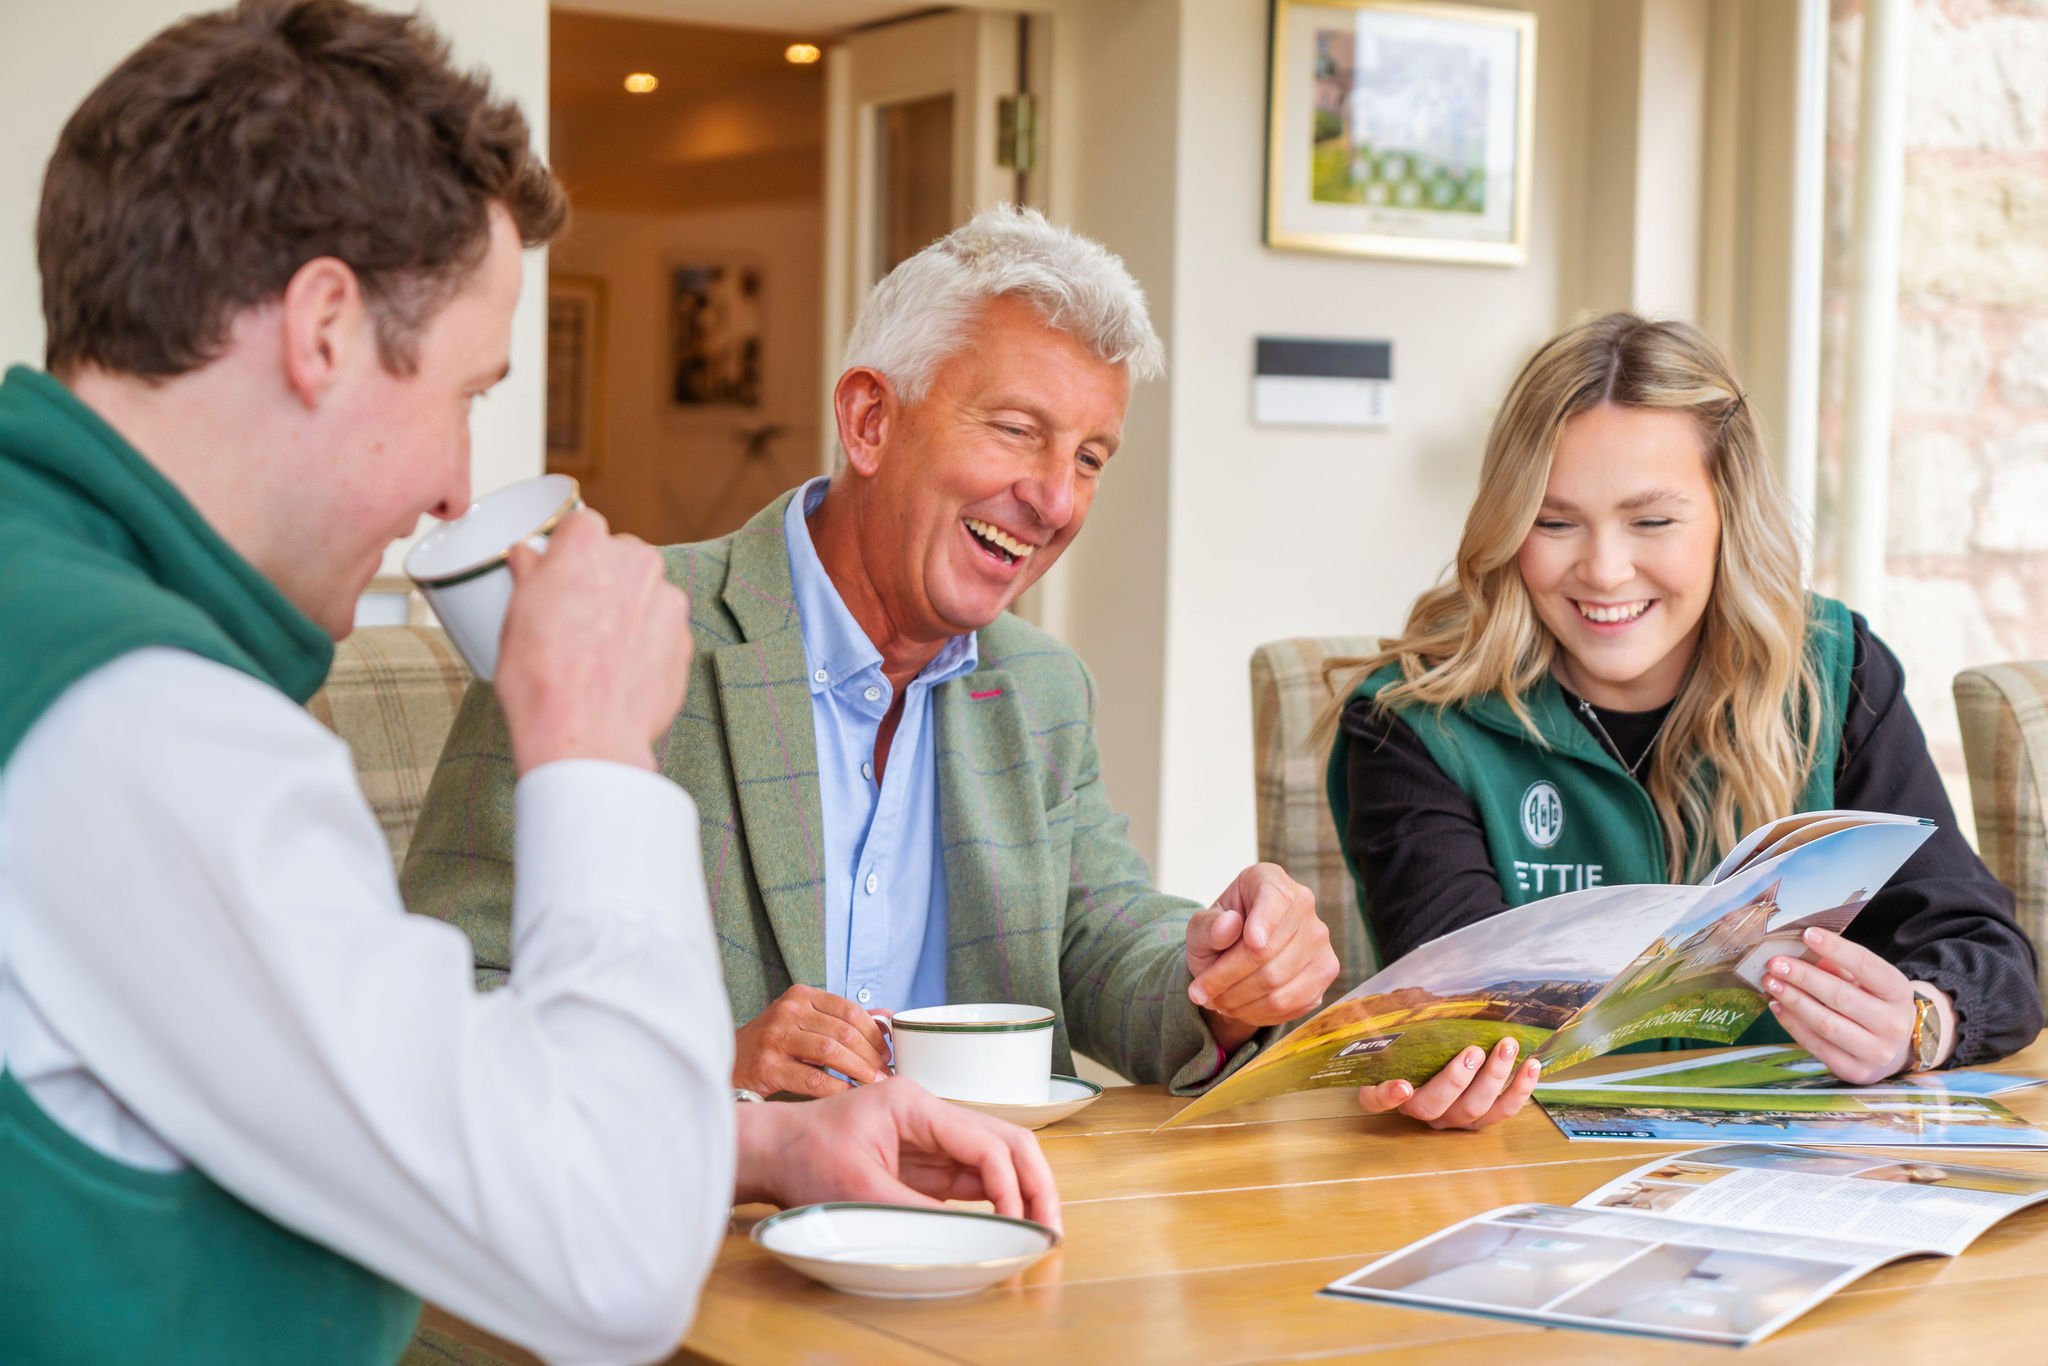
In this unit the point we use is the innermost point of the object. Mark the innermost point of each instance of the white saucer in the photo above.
(1065, 1096)
(902, 1253)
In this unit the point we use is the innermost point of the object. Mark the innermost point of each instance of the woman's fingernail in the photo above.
(1469, 1059)
(1777, 988)
(1507, 1048)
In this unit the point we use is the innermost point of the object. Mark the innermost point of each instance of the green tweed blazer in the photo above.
(1047, 901)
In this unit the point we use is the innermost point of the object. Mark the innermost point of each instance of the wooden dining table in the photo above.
(1209, 1243)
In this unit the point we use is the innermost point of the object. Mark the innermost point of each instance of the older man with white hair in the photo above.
(901, 792)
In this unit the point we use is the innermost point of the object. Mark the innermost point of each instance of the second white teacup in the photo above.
(1001, 1054)
(460, 565)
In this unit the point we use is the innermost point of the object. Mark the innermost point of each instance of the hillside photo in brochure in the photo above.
(1780, 1094)
(1722, 1245)
(1572, 977)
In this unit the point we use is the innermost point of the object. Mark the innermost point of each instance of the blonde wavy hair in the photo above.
(1746, 723)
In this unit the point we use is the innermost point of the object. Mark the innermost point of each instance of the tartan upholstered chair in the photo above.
(1289, 692)
(2004, 711)
(392, 694)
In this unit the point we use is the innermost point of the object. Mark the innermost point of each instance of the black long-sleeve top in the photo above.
(1943, 918)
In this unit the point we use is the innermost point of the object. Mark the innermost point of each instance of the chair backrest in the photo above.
(2004, 711)
(1295, 828)
(392, 694)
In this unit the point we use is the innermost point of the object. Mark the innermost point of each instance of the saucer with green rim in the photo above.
(1064, 1096)
(902, 1252)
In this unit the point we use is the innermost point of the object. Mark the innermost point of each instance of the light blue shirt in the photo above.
(885, 881)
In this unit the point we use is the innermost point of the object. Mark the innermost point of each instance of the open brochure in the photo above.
(1781, 1094)
(1578, 975)
(1787, 1067)
(1722, 1245)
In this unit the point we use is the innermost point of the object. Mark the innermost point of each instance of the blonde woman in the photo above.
(1623, 675)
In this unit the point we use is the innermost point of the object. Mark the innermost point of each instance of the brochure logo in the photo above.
(1542, 814)
(1361, 1047)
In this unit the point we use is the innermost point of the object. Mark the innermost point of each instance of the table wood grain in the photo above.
(1208, 1244)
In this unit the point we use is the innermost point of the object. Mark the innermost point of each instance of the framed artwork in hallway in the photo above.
(575, 410)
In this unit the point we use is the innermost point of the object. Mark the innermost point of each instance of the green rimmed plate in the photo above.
(1065, 1096)
(900, 1252)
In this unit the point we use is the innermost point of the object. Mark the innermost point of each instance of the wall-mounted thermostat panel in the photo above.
(1313, 382)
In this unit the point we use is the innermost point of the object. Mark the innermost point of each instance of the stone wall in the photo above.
(1967, 561)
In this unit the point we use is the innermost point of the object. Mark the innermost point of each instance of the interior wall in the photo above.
(674, 473)
(1112, 157)
(38, 92)
(1282, 532)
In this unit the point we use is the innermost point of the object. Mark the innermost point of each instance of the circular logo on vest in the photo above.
(1542, 814)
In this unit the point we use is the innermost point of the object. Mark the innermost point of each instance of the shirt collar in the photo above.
(834, 643)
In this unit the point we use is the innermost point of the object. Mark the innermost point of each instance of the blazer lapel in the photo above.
(1002, 917)
(765, 704)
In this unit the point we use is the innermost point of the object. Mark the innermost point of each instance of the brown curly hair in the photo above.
(235, 146)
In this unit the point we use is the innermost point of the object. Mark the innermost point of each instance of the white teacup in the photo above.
(1001, 1054)
(460, 565)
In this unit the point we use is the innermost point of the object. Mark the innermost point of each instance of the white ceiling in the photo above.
(824, 17)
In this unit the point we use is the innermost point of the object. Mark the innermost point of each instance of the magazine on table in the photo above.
(1723, 1245)
(1779, 1094)
(1574, 976)
(1788, 1067)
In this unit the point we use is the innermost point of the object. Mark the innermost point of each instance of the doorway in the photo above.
(735, 191)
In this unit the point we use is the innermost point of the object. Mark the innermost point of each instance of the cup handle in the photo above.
(888, 1033)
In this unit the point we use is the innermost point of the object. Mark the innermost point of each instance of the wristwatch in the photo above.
(1926, 1050)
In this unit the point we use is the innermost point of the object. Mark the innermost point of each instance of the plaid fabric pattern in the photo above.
(2004, 713)
(1048, 903)
(392, 695)
(1289, 692)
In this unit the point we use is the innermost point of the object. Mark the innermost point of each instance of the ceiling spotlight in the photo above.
(801, 54)
(642, 83)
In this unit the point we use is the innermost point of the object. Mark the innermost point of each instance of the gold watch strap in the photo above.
(1926, 1031)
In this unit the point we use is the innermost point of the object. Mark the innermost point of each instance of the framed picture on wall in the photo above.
(575, 417)
(714, 335)
(1397, 129)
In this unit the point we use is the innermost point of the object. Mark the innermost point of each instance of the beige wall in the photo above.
(675, 473)
(1112, 163)
(1213, 535)
(56, 53)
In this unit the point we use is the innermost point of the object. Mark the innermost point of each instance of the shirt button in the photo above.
(872, 883)
(820, 676)
(868, 771)
(863, 995)
(872, 693)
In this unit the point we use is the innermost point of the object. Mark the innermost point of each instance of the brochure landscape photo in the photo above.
(1781, 1094)
(1721, 1245)
(1572, 977)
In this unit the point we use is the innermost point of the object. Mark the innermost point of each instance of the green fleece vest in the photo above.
(99, 1261)
(1562, 814)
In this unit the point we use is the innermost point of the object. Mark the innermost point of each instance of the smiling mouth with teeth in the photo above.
(998, 542)
(1612, 615)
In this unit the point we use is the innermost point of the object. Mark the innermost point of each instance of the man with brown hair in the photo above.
(243, 1097)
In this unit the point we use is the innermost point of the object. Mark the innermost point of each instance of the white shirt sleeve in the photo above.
(198, 903)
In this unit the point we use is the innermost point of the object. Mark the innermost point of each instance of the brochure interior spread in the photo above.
(1723, 1245)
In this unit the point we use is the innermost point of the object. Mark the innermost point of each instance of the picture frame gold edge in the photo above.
(1514, 252)
(1404, 248)
(597, 369)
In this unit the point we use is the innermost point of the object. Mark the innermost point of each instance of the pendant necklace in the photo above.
(1634, 769)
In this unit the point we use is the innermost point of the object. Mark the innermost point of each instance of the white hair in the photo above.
(919, 314)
